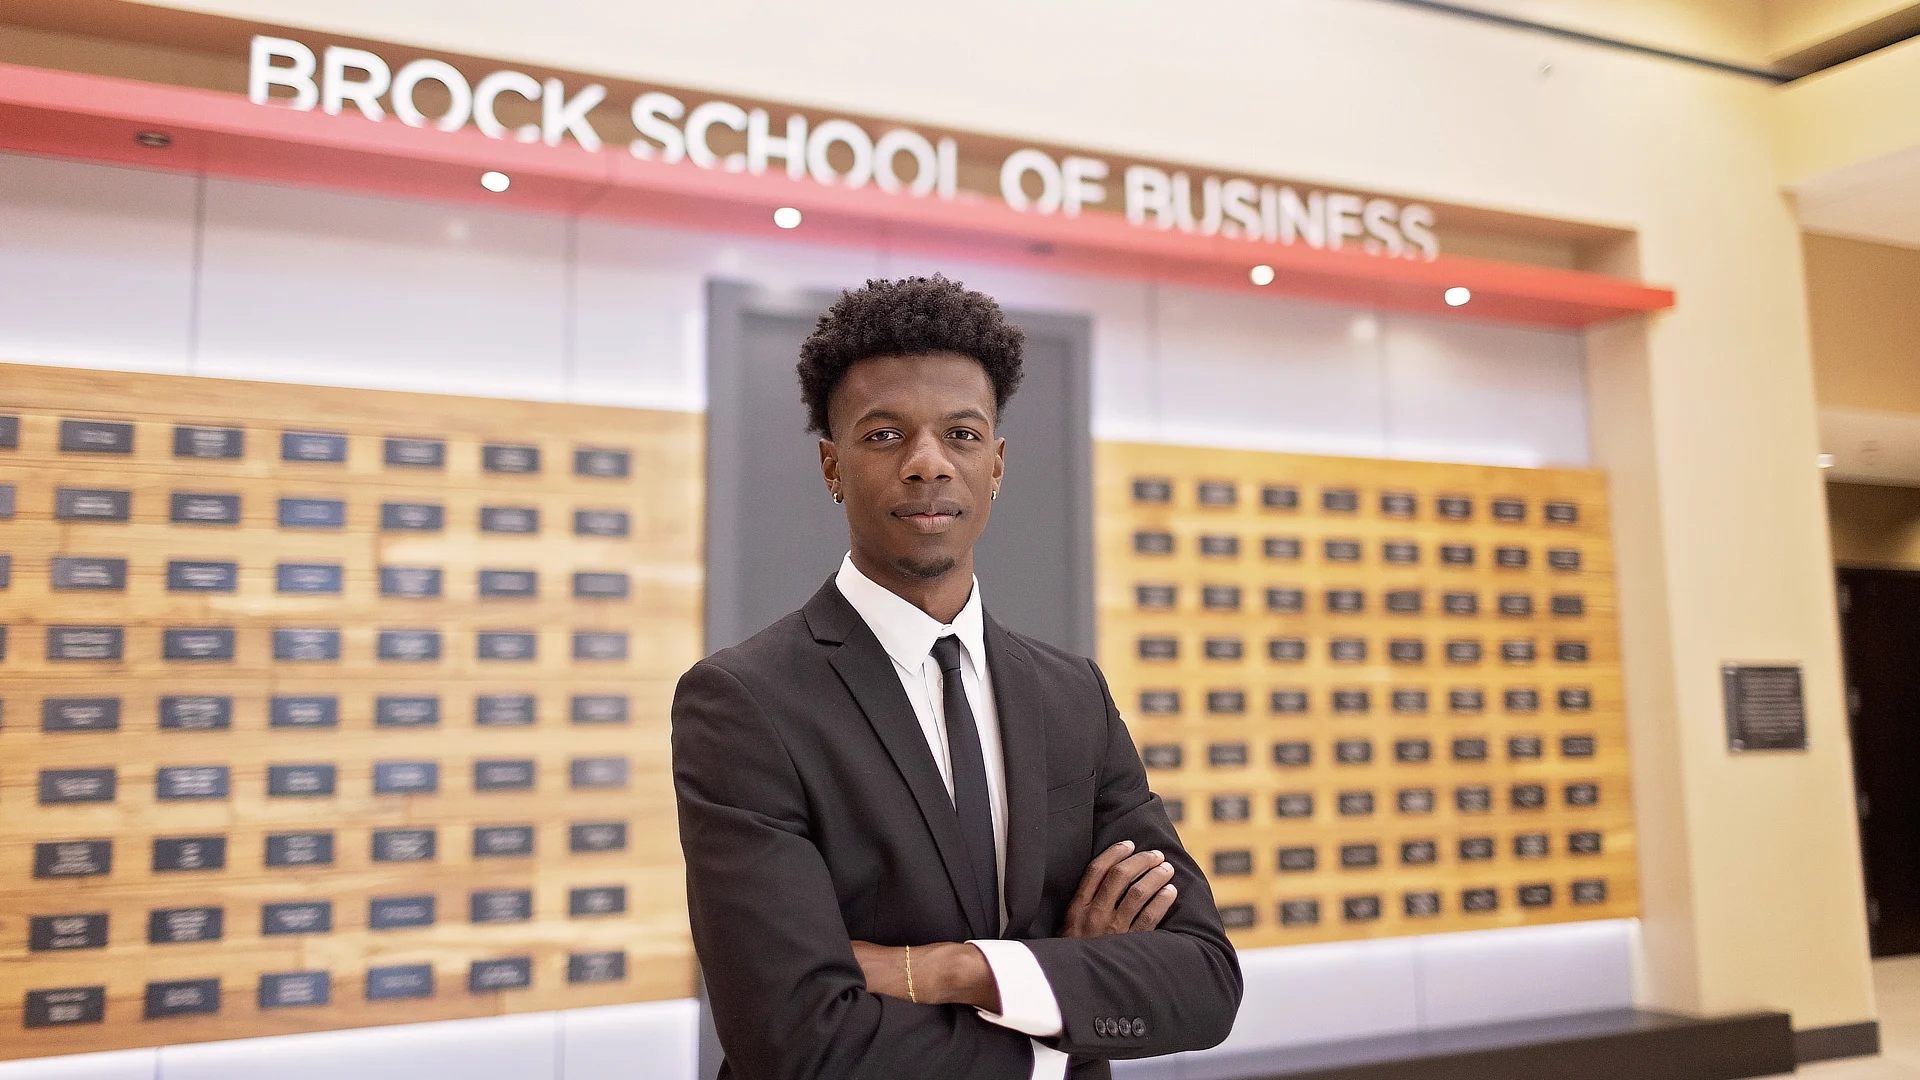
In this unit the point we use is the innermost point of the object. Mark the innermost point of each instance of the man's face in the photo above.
(914, 454)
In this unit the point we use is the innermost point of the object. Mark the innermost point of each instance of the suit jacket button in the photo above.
(1100, 1026)
(1139, 1028)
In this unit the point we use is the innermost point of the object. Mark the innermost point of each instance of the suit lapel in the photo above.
(869, 676)
(1023, 741)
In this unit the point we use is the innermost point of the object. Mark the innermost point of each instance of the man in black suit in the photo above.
(918, 844)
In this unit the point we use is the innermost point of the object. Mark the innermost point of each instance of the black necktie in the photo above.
(970, 798)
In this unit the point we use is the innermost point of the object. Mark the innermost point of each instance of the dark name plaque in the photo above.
(502, 841)
(1516, 605)
(505, 710)
(1532, 846)
(1341, 550)
(196, 713)
(598, 772)
(209, 442)
(1477, 849)
(1340, 500)
(1346, 601)
(589, 461)
(498, 458)
(1219, 648)
(1584, 843)
(308, 578)
(184, 782)
(509, 583)
(1412, 751)
(1453, 507)
(302, 781)
(1232, 863)
(188, 508)
(299, 849)
(294, 989)
(87, 573)
(1293, 805)
(185, 997)
(95, 437)
(72, 858)
(1285, 599)
(1162, 755)
(1511, 510)
(1152, 543)
(80, 714)
(1407, 651)
(313, 514)
(1562, 513)
(405, 845)
(296, 917)
(405, 777)
(1525, 747)
(412, 517)
(1355, 803)
(1466, 701)
(1522, 700)
(1220, 597)
(9, 501)
(1463, 651)
(1284, 548)
(1300, 912)
(53, 933)
(1353, 751)
(1400, 552)
(1225, 702)
(598, 967)
(1469, 749)
(602, 523)
(1577, 746)
(1351, 701)
(187, 575)
(1479, 900)
(1510, 558)
(1414, 800)
(1474, 799)
(306, 645)
(506, 973)
(197, 643)
(506, 645)
(602, 585)
(92, 504)
(1297, 860)
(321, 446)
(1527, 796)
(1287, 702)
(393, 711)
(1359, 856)
(67, 1005)
(58, 786)
(410, 581)
(399, 981)
(302, 712)
(399, 912)
(596, 836)
(505, 774)
(179, 926)
(1398, 504)
(171, 853)
(1570, 652)
(1575, 699)
(1408, 700)
(1217, 493)
(1460, 603)
(86, 642)
(1517, 651)
(596, 900)
(1279, 497)
(599, 645)
(9, 433)
(1585, 794)
(1286, 650)
(1766, 707)
(500, 906)
(1220, 547)
(415, 453)
(1404, 601)
(408, 646)
(1456, 554)
(1293, 754)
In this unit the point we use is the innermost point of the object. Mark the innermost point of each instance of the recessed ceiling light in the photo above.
(1825, 461)
(787, 217)
(1261, 275)
(155, 140)
(1458, 296)
(495, 181)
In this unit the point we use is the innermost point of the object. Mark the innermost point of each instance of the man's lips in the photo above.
(928, 519)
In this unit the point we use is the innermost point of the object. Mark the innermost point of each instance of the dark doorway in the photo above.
(772, 533)
(1880, 633)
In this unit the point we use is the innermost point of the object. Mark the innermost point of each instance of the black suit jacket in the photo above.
(812, 813)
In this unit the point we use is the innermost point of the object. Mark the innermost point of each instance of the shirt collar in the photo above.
(906, 632)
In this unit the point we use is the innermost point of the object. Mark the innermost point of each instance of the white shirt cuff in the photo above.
(1027, 1004)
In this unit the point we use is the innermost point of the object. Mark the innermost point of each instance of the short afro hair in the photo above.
(914, 316)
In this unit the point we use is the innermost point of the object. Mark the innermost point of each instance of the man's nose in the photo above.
(928, 460)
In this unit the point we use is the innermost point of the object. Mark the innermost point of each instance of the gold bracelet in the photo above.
(910, 996)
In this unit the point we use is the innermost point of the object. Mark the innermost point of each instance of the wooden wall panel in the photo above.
(660, 555)
(1206, 708)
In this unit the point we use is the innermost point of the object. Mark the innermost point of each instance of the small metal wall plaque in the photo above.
(295, 989)
(509, 583)
(1398, 504)
(301, 781)
(72, 858)
(405, 845)
(184, 997)
(84, 573)
(399, 982)
(312, 514)
(188, 508)
(95, 437)
(506, 645)
(1407, 651)
(306, 645)
(1279, 497)
(1456, 554)
(599, 645)
(9, 432)
(502, 841)
(500, 906)
(1415, 800)
(1286, 650)
(80, 714)
(1404, 601)
(602, 585)
(177, 926)
(92, 504)
(185, 575)
(1516, 605)
(1355, 804)
(611, 464)
(1285, 702)
(309, 578)
(596, 836)
(1400, 552)
(1360, 908)
(318, 446)
(1561, 513)
(1217, 493)
(197, 643)
(172, 853)
(1293, 804)
(1226, 702)
(410, 581)
(1300, 912)
(406, 777)
(415, 453)
(299, 849)
(1408, 700)
(1351, 701)
(310, 917)
(510, 459)
(408, 646)
(183, 782)
(410, 711)
(1220, 597)
(524, 520)
(1286, 600)
(54, 933)
(1293, 754)
(1347, 650)
(58, 786)
(67, 1005)
(1576, 746)
(86, 642)
(1412, 751)
(507, 973)
(303, 712)
(1584, 843)
(209, 442)
(1232, 863)
(1460, 603)
(1525, 747)
(1223, 648)
(597, 967)
(297, 917)
(1161, 756)
(597, 900)
(1346, 601)
(1340, 501)
(503, 774)
(1286, 548)
(1510, 558)
(1341, 550)
(400, 912)
(598, 772)
(505, 710)
(1152, 543)
(602, 523)
(1297, 860)
(412, 517)
(1766, 707)
(1158, 648)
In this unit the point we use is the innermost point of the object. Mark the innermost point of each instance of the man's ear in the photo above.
(830, 465)
(999, 461)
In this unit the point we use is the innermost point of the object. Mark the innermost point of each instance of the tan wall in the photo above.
(1705, 415)
(1863, 305)
(1874, 525)
(1792, 25)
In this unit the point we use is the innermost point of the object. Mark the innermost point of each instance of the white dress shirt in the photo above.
(1027, 1004)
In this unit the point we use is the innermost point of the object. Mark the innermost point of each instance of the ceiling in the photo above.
(1875, 200)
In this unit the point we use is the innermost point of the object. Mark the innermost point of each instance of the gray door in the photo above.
(773, 535)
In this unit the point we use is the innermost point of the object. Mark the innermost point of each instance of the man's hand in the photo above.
(944, 973)
(1122, 892)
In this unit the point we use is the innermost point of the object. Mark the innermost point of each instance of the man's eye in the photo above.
(884, 435)
(963, 433)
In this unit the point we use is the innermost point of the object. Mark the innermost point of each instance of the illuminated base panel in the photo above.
(330, 708)
(1379, 697)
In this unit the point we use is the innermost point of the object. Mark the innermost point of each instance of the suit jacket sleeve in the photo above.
(1174, 988)
(788, 998)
